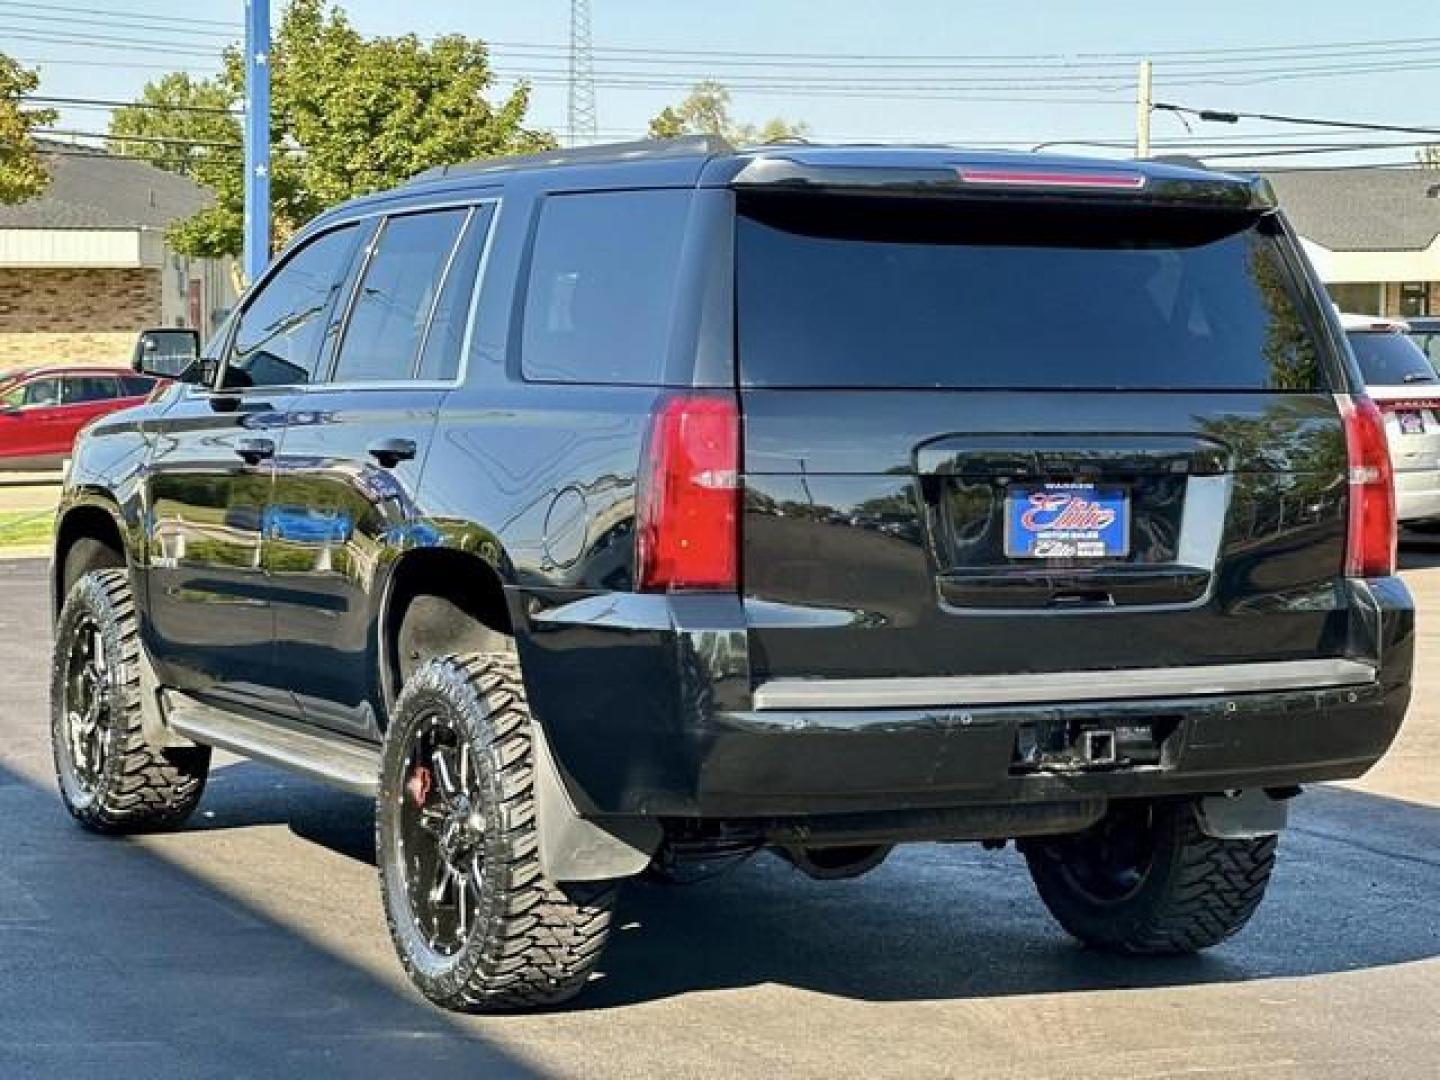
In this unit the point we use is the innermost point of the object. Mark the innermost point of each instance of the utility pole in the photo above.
(1144, 106)
(257, 138)
(582, 120)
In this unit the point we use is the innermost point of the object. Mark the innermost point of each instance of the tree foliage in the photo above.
(349, 115)
(22, 173)
(177, 123)
(706, 111)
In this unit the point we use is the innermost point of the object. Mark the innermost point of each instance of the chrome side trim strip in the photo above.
(1061, 687)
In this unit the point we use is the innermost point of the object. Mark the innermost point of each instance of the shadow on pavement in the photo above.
(115, 961)
(1355, 889)
(115, 957)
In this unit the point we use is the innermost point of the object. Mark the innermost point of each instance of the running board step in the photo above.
(332, 759)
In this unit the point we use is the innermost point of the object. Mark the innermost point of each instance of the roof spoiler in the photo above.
(1116, 182)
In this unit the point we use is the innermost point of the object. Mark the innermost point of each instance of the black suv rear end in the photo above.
(1051, 480)
(1046, 505)
(630, 510)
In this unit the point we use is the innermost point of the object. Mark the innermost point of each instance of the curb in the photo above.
(24, 552)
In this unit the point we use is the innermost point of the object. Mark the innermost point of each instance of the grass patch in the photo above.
(26, 528)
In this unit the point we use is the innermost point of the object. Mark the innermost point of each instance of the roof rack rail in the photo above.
(638, 150)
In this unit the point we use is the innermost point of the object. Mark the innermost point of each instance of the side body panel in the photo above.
(209, 622)
(337, 520)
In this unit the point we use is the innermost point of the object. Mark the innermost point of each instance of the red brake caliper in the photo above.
(419, 784)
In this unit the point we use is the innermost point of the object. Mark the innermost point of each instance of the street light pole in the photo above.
(1144, 106)
(257, 137)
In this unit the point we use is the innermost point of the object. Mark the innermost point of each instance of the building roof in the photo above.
(100, 191)
(1362, 209)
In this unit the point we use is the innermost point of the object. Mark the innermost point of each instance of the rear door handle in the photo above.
(390, 452)
(254, 451)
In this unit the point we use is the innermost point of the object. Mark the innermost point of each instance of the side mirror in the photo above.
(168, 353)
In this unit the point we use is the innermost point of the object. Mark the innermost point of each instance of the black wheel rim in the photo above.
(440, 834)
(1110, 863)
(87, 704)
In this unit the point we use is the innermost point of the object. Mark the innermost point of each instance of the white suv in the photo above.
(1400, 380)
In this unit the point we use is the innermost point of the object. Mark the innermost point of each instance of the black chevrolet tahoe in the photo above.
(626, 511)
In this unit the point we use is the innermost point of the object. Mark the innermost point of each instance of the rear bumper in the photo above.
(649, 706)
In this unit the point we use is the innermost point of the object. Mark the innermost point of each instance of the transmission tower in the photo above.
(583, 125)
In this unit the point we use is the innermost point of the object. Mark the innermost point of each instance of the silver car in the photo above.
(1402, 382)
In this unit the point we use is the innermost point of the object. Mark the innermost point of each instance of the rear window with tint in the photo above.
(602, 286)
(835, 291)
(1388, 359)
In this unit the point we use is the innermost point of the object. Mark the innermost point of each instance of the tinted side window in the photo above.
(81, 389)
(278, 337)
(136, 385)
(441, 359)
(602, 285)
(392, 307)
(39, 393)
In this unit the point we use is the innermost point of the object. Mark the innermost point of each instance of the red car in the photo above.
(42, 409)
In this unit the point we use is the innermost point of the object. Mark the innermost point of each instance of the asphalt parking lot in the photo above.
(252, 944)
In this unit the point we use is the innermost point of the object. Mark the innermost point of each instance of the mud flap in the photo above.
(573, 848)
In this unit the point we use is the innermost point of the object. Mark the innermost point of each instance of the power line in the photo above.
(1127, 58)
(107, 103)
(1289, 150)
(768, 81)
(49, 19)
(66, 61)
(158, 140)
(168, 19)
(98, 41)
(52, 150)
(1348, 50)
(1228, 117)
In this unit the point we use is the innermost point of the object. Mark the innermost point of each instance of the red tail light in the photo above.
(1370, 543)
(689, 500)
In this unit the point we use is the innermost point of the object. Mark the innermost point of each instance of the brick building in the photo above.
(1373, 234)
(84, 267)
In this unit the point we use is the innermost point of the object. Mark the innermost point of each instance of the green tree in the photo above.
(179, 122)
(706, 111)
(349, 115)
(22, 173)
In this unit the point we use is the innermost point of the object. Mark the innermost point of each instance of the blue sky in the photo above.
(1089, 43)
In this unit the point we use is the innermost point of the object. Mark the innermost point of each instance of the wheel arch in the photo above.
(97, 519)
(439, 601)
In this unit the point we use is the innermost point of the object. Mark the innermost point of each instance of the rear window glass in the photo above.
(1388, 359)
(924, 293)
(602, 285)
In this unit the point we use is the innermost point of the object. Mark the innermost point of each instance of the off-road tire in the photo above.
(1194, 891)
(532, 942)
(137, 787)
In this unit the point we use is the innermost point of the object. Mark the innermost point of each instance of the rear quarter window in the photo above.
(918, 293)
(601, 286)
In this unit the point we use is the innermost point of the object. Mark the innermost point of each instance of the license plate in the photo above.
(1411, 423)
(1066, 521)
